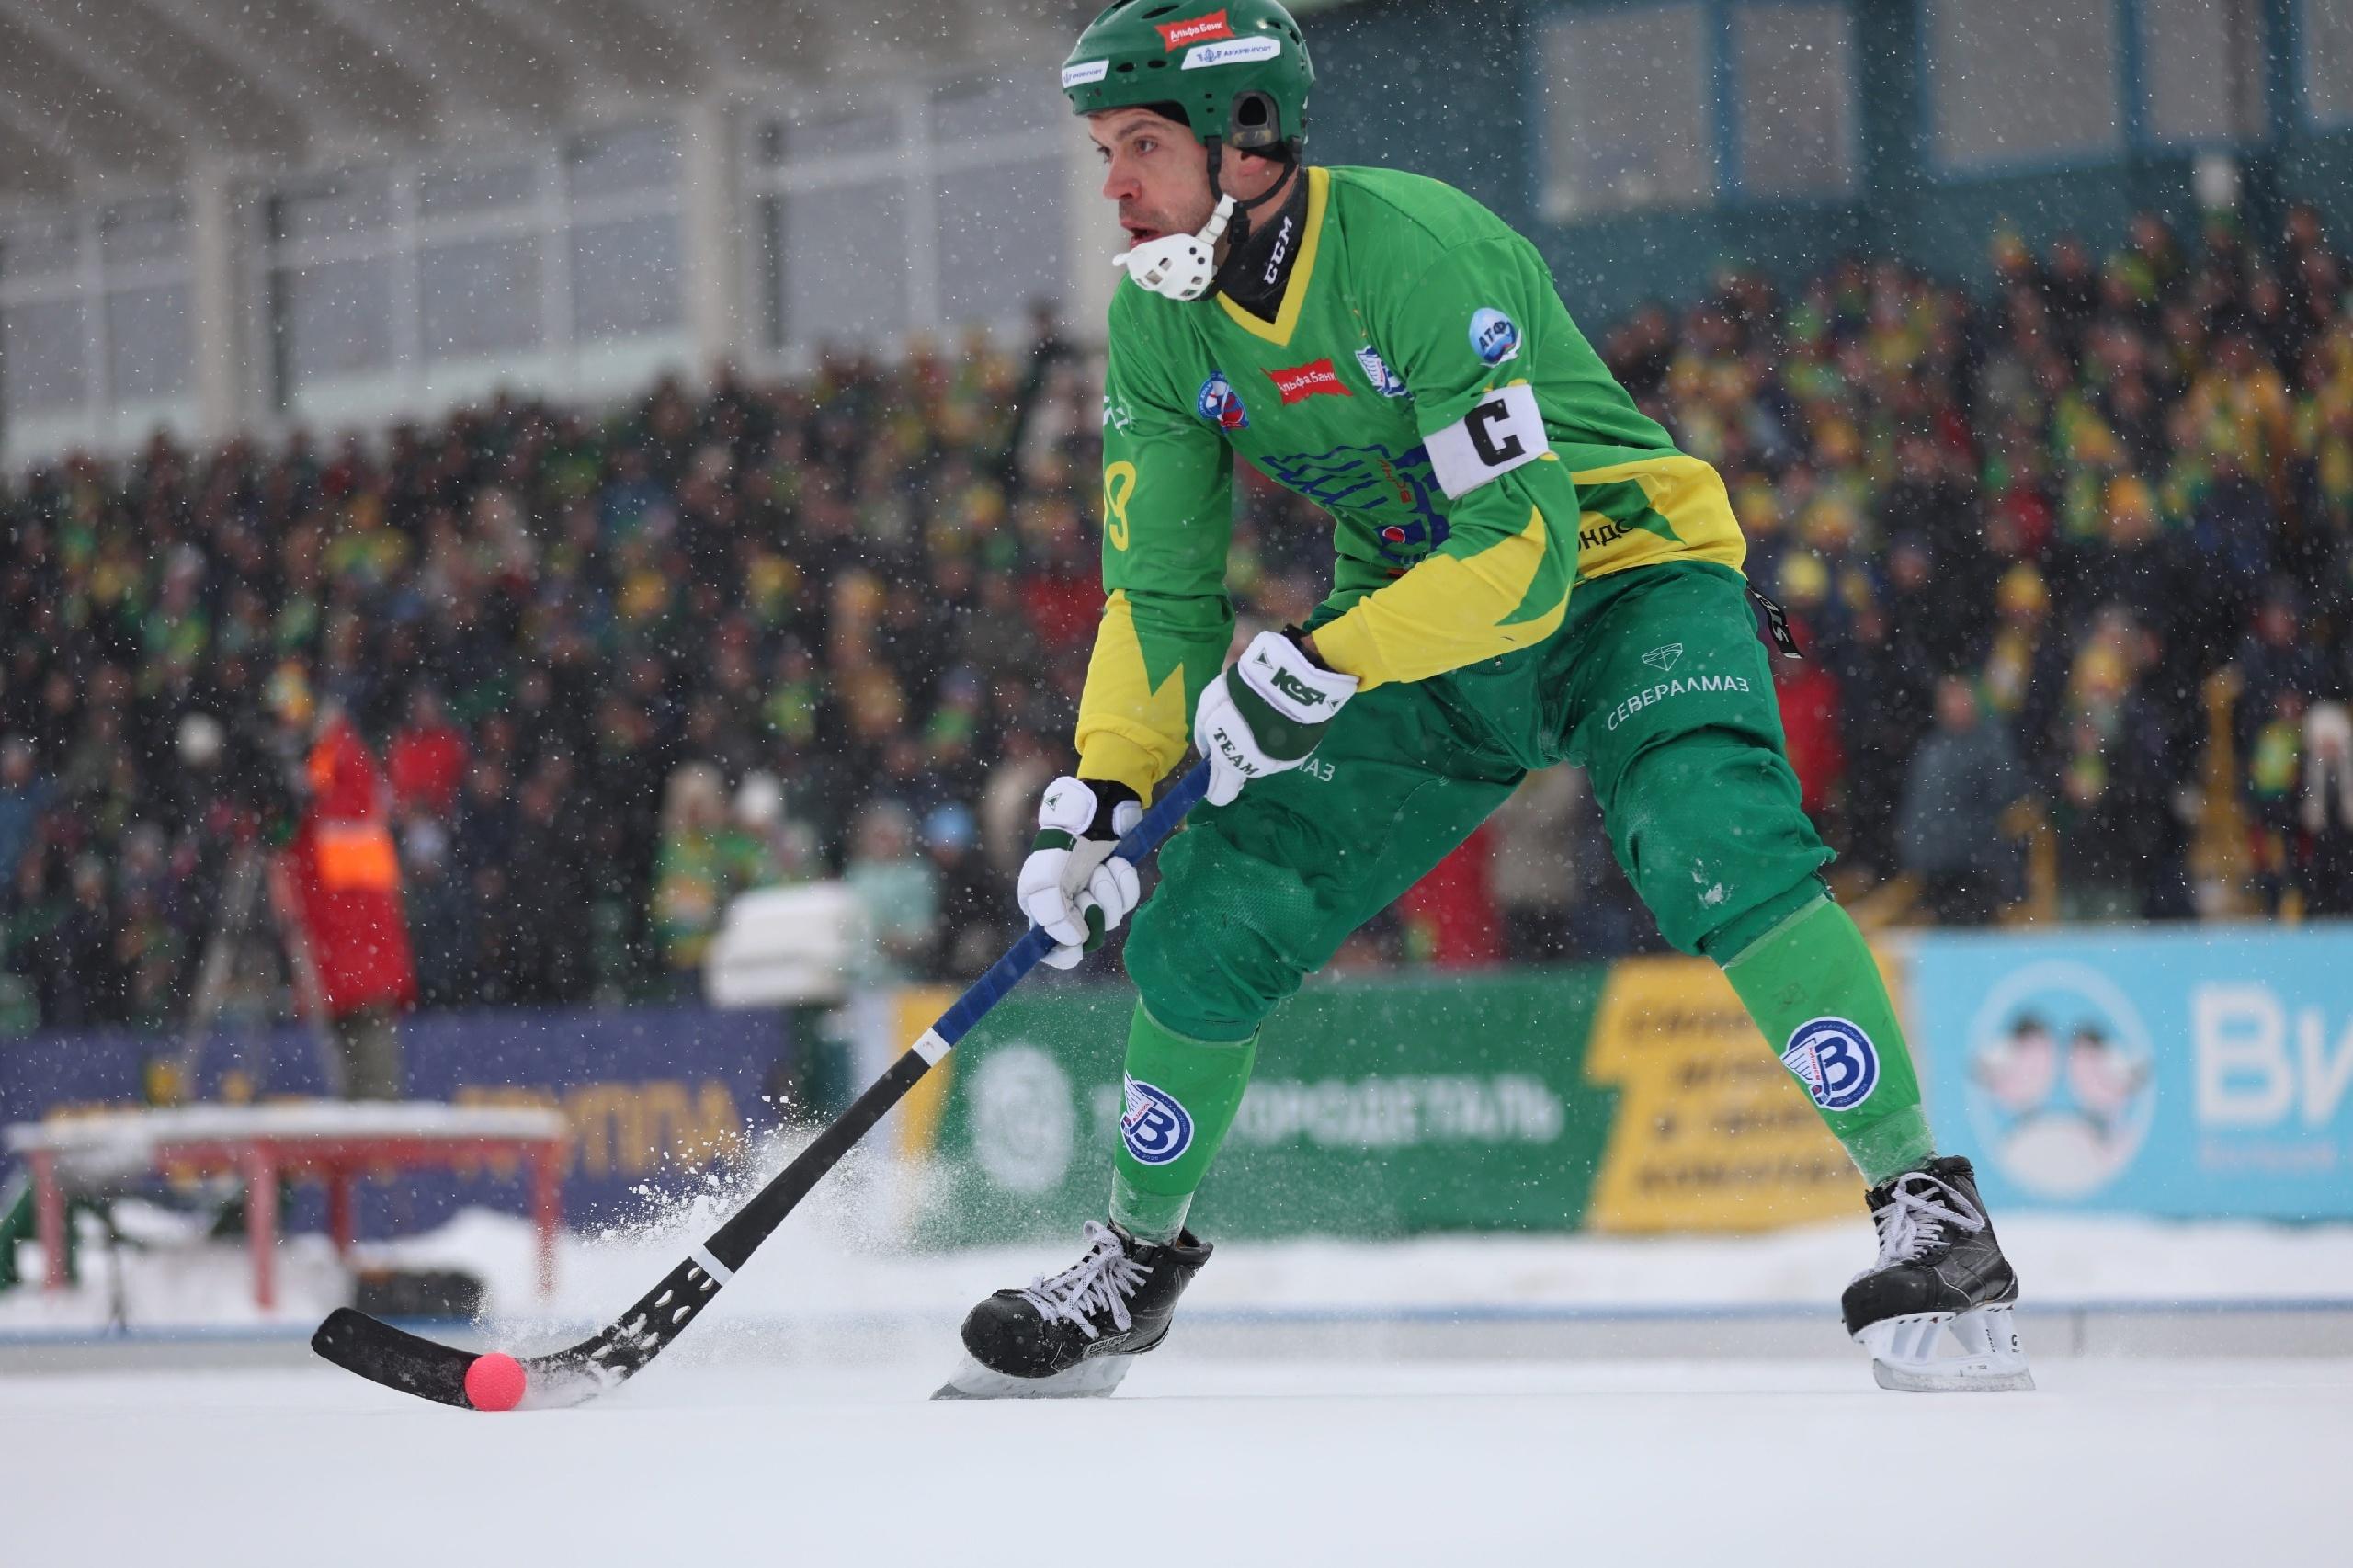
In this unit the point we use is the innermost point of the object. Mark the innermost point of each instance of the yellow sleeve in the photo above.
(1452, 610)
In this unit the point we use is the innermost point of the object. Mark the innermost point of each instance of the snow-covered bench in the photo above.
(330, 1139)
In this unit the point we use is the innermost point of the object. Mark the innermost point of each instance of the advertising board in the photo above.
(2190, 1072)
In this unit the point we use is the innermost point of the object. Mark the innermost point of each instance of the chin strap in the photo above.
(1183, 267)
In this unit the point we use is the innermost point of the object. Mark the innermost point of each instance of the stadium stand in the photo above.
(619, 667)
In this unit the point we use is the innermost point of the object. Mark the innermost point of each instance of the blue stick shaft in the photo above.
(733, 1244)
(1024, 956)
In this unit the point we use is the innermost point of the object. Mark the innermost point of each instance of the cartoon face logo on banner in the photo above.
(2061, 1082)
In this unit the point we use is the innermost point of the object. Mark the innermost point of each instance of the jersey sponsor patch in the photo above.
(1222, 405)
(1154, 1124)
(1202, 56)
(1086, 71)
(1835, 1061)
(1495, 337)
(1385, 381)
(1174, 36)
(1503, 430)
(1318, 380)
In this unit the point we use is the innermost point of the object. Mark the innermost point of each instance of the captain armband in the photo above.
(1503, 431)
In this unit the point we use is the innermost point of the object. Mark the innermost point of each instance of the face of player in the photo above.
(1159, 175)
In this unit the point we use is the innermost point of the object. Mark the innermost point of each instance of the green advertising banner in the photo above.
(1634, 1097)
(1378, 1108)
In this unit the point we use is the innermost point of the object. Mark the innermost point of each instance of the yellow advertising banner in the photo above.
(1711, 1133)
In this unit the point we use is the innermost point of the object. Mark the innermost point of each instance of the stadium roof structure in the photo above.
(97, 94)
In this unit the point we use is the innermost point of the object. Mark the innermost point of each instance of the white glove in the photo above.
(1265, 715)
(1072, 885)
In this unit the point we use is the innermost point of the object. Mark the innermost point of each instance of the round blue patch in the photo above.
(1221, 404)
(1835, 1061)
(1156, 1129)
(1495, 337)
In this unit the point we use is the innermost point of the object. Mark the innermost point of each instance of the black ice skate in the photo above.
(1940, 1269)
(1075, 1335)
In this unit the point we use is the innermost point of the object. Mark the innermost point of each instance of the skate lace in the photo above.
(1912, 1222)
(1101, 1280)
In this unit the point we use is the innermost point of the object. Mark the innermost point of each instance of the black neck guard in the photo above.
(1257, 267)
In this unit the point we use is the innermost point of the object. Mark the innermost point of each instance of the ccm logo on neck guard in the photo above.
(1503, 430)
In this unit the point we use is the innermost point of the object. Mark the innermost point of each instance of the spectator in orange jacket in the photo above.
(347, 875)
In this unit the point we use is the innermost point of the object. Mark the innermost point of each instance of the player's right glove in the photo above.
(1265, 713)
(1072, 885)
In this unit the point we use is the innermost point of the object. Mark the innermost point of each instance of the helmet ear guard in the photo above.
(1254, 122)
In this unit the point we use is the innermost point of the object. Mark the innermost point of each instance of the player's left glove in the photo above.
(1267, 713)
(1072, 885)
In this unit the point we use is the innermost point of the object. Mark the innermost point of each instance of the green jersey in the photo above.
(1419, 380)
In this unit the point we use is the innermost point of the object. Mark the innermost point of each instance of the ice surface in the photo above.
(1196, 1462)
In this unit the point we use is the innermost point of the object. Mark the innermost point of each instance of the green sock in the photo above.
(1810, 984)
(1181, 1097)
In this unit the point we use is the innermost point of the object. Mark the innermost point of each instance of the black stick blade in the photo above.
(403, 1361)
(394, 1358)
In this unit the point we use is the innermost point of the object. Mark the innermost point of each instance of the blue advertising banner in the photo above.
(655, 1095)
(2185, 1072)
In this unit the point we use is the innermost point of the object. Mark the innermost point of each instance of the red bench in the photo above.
(334, 1142)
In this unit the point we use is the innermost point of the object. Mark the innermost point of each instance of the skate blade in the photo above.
(1091, 1378)
(1905, 1353)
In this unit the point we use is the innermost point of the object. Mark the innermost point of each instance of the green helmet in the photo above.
(1238, 68)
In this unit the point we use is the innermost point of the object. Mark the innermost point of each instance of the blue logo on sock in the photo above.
(1155, 1128)
(1835, 1061)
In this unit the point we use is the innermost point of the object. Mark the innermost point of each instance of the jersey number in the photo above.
(1119, 483)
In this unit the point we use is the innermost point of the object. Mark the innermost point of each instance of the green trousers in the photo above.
(1656, 682)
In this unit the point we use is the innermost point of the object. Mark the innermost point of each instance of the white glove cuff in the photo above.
(1068, 805)
(1290, 682)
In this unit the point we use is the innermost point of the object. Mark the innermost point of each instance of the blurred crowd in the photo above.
(616, 669)
(2049, 543)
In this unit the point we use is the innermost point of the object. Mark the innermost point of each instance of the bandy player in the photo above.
(1528, 573)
